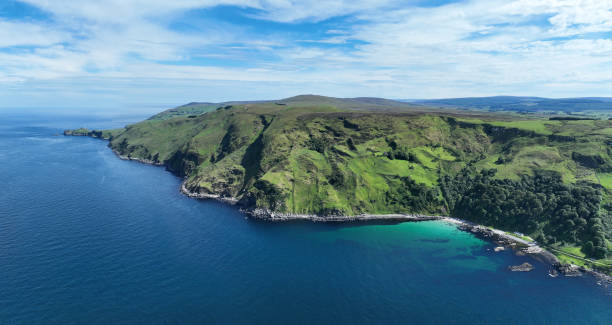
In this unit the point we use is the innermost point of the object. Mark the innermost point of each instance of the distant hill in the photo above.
(360, 103)
(523, 104)
(357, 103)
(586, 105)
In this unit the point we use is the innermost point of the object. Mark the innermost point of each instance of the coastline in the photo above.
(267, 215)
(518, 245)
(144, 161)
(203, 196)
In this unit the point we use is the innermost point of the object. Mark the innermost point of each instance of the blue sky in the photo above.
(126, 53)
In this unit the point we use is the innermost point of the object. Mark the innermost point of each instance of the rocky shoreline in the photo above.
(144, 161)
(267, 215)
(204, 196)
(502, 239)
(522, 248)
(519, 246)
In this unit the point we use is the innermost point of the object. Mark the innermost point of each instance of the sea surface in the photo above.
(87, 238)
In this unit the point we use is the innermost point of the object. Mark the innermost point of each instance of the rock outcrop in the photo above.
(525, 267)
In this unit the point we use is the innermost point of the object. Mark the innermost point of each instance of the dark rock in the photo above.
(569, 269)
(553, 272)
(525, 267)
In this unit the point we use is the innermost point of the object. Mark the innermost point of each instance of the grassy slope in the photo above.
(188, 109)
(321, 155)
(286, 156)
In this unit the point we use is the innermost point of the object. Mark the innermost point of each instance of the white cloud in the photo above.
(478, 47)
(123, 11)
(316, 10)
(567, 17)
(28, 34)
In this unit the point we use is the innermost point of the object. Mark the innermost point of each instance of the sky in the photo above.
(131, 53)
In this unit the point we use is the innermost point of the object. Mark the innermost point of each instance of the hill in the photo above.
(592, 105)
(361, 103)
(550, 179)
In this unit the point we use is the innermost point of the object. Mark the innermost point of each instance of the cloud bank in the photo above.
(113, 52)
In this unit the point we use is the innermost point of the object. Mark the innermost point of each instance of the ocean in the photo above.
(87, 238)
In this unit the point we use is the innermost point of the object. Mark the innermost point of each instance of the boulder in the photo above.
(525, 267)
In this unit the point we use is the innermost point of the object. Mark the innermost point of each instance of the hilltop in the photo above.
(548, 178)
(585, 105)
(361, 103)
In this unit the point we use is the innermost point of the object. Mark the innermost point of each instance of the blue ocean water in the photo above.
(87, 238)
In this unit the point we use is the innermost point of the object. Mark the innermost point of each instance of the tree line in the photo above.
(541, 205)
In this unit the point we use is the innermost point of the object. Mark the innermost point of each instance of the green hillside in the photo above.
(550, 179)
(363, 103)
(587, 106)
(188, 109)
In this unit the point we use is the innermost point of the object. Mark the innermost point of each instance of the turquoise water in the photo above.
(89, 238)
